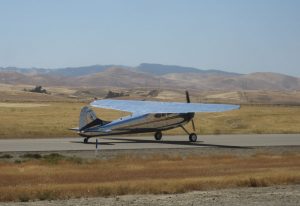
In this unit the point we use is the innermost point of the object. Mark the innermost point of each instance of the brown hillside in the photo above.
(128, 78)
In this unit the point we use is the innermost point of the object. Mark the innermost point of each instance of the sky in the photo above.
(238, 36)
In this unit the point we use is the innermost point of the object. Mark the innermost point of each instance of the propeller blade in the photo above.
(187, 97)
(193, 124)
(188, 100)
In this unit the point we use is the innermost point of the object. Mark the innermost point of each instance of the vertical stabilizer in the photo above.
(87, 115)
(89, 119)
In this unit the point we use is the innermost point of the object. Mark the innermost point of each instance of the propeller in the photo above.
(188, 100)
(187, 96)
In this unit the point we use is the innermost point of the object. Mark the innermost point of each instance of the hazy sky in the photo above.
(238, 36)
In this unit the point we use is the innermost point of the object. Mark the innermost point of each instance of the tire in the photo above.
(158, 135)
(85, 140)
(193, 137)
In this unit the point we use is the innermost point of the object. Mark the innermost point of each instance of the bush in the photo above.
(76, 160)
(31, 156)
(253, 182)
(37, 89)
(24, 198)
(112, 94)
(53, 158)
(6, 156)
(18, 161)
(46, 195)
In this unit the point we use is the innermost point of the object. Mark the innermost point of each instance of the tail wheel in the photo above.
(158, 135)
(193, 137)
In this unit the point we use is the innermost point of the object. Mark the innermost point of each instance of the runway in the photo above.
(148, 142)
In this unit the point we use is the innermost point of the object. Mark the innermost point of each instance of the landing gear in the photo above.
(158, 135)
(193, 137)
(86, 140)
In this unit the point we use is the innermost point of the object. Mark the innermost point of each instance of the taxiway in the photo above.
(148, 142)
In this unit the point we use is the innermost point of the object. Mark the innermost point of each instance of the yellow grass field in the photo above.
(52, 119)
(61, 178)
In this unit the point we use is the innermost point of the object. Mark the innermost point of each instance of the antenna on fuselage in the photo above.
(188, 100)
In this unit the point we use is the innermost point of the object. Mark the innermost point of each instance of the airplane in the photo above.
(145, 117)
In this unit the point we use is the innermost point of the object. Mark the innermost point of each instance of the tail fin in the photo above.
(89, 119)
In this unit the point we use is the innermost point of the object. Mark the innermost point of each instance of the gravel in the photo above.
(277, 195)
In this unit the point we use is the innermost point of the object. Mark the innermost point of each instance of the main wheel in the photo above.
(193, 137)
(86, 140)
(158, 135)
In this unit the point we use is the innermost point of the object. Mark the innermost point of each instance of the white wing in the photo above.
(146, 107)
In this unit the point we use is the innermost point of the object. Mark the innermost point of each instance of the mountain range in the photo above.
(148, 75)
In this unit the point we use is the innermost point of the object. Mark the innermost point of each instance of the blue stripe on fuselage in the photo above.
(122, 120)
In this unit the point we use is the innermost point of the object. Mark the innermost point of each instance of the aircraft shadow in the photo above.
(99, 143)
(183, 143)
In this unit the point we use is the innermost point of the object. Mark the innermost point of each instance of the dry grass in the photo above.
(251, 119)
(43, 179)
(55, 119)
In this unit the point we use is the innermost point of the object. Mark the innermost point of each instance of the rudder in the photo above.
(89, 119)
(87, 115)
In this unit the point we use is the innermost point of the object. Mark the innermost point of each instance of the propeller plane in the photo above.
(146, 116)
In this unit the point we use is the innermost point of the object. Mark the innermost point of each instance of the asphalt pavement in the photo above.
(148, 142)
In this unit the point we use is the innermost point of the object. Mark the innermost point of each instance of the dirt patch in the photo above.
(22, 105)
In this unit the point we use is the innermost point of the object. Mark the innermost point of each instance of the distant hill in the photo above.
(160, 69)
(120, 77)
(154, 69)
(66, 72)
(254, 81)
(148, 75)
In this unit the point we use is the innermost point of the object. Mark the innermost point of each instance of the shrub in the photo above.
(38, 89)
(53, 158)
(46, 195)
(6, 156)
(24, 198)
(31, 156)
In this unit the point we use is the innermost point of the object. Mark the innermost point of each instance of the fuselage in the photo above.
(139, 124)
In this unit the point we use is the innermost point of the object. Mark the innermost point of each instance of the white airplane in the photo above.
(146, 116)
